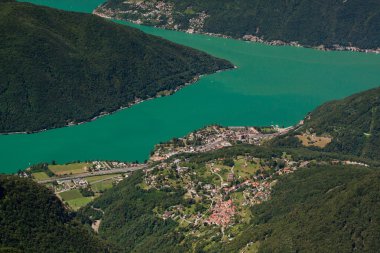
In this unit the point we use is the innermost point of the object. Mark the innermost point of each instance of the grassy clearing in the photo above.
(207, 176)
(40, 176)
(237, 198)
(102, 186)
(75, 204)
(70, 195)
(75, 199)
(73, 168)
(314, 140)
(245, 169)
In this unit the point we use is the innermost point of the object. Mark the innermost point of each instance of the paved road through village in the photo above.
(95, 173)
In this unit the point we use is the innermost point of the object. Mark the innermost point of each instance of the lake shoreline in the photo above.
(135, 102)
(249, 38)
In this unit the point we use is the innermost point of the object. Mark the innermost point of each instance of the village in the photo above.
(147, 11)
(216, 137)
(221, 192)
(157, 13)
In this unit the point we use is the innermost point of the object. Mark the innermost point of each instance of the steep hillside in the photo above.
(60, 67)
(274, 202)
(322, 209)
(32, 219)
(309, 22)
(352, 124)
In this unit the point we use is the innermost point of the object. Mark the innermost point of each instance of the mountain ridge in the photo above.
(347, 25)
(61, 68)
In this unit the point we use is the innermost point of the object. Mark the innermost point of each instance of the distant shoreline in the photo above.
(135, 102)
(251, 38)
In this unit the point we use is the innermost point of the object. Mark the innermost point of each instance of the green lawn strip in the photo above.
(77, 203)
(40, 176)
(101, 186)
(70, 195)
(97, 178)
(73, 168)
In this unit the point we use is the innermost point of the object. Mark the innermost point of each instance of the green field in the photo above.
(40, 176)
(244, 168)
(73, 168)
(101, 186)
(75, 199)
(70, 195)
(75, 204)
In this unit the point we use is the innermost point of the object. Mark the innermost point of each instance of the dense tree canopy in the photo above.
(130, 219)
(33, 219)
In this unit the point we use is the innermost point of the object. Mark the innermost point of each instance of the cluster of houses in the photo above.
(109, 165)
(212, 138)
(222, 210)
(254, 38)
(147, 11)
(222, 214)
(224, 205)
(66, 185)
(196, 23)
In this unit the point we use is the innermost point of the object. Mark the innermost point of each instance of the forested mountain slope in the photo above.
(33, 219)
(182, 206)
(309, 22)
(353, 124)
(322, 209)
(60, 67)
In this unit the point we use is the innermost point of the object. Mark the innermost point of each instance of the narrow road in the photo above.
(221, 178)
(96, 173)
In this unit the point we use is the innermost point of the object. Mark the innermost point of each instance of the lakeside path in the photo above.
(96, 173)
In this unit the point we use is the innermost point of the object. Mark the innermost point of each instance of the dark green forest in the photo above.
(59, 67)
(310, 22)
(33, 219)
(130, 221)
(322, 209)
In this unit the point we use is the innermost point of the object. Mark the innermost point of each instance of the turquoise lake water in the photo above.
(272, 85)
